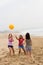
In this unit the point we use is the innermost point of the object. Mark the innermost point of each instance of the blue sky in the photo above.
(22, 13)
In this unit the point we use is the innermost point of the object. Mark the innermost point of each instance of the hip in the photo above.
(11, 46)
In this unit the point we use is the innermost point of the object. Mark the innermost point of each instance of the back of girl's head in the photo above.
(27, 36)
(10, 35)
(20, 36)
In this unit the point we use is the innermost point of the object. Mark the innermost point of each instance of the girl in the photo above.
(28, 44)
(20, 39)
(10, 46)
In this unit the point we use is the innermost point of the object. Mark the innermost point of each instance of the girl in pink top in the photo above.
(10, 45)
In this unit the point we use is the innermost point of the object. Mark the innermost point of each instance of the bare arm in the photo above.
(12, 39)
(16, 37)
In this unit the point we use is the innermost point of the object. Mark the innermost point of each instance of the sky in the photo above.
(24, 14)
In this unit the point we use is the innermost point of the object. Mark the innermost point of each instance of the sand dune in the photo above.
(6, 59)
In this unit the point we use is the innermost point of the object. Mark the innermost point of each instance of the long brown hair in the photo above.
(27, 36)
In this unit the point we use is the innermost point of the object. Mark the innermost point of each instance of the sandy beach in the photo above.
(37, 52)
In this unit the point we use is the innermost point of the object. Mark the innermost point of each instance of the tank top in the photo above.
(10, 41)
(28, 42)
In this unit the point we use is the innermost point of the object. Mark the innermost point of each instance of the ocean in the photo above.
(32, 31)
(35, 32)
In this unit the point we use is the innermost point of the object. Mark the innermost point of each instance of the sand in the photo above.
(37, 52)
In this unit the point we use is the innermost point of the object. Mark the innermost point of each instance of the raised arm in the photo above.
(12, 39)
(16, 37)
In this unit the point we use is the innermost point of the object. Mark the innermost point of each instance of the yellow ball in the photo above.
(11, 26)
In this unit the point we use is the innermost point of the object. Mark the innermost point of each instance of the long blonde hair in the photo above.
(10, 35)
(20, 36)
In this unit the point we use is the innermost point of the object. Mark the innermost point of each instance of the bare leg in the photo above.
(24, 50)
(31, 55)
(13, 51)
(19, 51)
(9, 50)
(29, 52)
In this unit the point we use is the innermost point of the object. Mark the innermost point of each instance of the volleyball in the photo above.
(11, 26)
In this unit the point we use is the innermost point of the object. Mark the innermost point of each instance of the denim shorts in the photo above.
(28, 48)
(21, 46)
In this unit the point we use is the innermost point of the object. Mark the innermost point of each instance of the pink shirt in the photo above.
(10, 41)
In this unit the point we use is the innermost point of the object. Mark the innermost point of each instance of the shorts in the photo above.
(10, 46)
(28, 48)
(21, 46)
